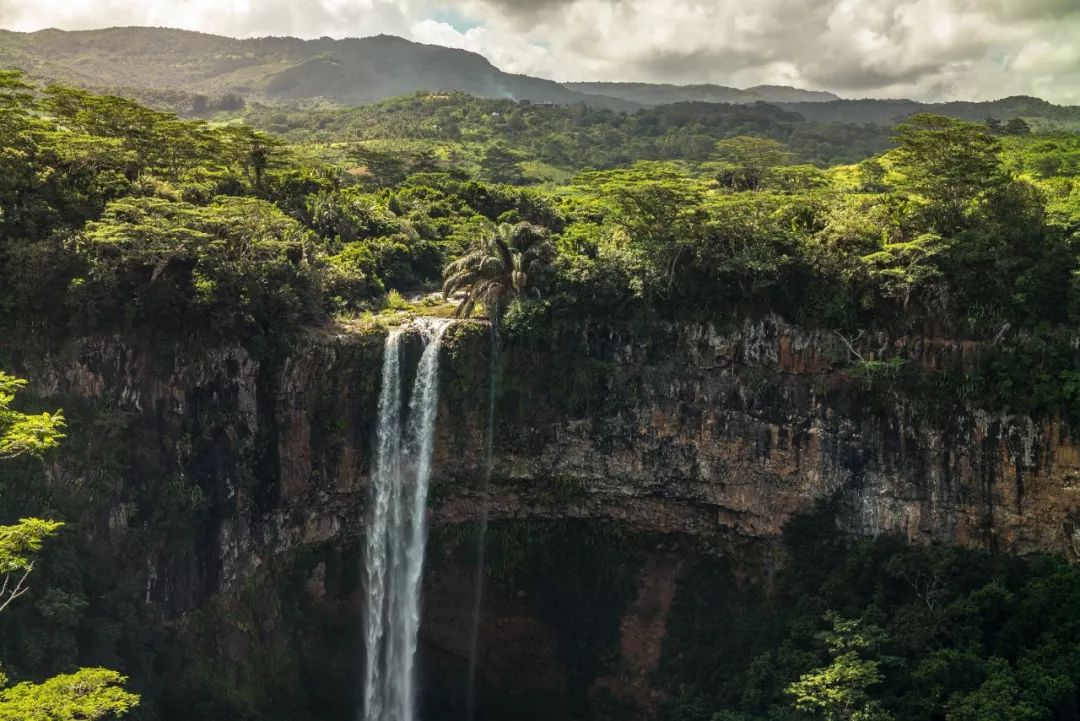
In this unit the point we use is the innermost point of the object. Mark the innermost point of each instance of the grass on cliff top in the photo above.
(398, 310)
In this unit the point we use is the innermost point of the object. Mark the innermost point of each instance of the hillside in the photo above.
(145, 61)
(461, 128)
(824, 107)
(165, 67)
(890, 111)
(661, 94)
(194, 72)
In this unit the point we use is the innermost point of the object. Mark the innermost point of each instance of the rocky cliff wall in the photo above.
(700, 429)
(694, 429)
(220, 498)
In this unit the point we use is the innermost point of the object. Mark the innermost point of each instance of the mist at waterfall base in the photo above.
(397, 533)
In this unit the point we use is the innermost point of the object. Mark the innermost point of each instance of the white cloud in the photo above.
(522, 57)
(972, 49)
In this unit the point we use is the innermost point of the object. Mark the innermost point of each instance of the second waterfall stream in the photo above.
(396, 531)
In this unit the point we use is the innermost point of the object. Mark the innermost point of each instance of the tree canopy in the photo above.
(118, 221)
(89, 693)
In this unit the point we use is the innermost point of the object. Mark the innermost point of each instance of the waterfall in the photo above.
(397, 533)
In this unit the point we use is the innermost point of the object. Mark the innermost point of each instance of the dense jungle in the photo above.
(750, 410)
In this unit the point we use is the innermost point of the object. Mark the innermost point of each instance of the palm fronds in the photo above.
(499, 268)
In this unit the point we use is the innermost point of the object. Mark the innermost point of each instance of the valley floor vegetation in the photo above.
(116, 219)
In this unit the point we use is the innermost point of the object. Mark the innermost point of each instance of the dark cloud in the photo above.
(862, 78)
(1013, 10)
(526, 7)
(523, 15)
(704, 64)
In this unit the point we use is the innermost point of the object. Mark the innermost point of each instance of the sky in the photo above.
(922, 49)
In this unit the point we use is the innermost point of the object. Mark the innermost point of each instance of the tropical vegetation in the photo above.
(87, 694)
(256, 227)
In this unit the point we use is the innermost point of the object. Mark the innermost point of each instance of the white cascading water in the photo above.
(397, 533)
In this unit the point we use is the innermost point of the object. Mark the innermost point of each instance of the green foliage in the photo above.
(146, 221)
(86, 695)
(18, 546)
(906, 267)
(380, 169)
(525, 318)
(841, 691)
(1000, 696)
(1031, 373)
(239, 264)
(949, 163)
(501, 165)
(877, 628)
(748, 161)
(123, 214)
(461, 131)
(501, 268)
(25, 433)
(354, 275)
(19, 542)
(89, 693)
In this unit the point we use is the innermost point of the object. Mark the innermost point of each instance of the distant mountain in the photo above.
(195, 72)
(652, 94)
(787, 94)
(270, 70)
(890, 112)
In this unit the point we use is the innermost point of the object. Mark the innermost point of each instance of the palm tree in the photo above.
(499, 269)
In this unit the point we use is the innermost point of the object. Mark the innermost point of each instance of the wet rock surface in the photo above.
(718, 434)
(676, 428)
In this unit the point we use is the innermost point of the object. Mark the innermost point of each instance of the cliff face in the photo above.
(681, 428)
(700, 430)
(211, 475)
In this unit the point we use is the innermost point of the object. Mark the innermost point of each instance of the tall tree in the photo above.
(661, 211)
(500, 164)
(841, 691)
(381, 169)
(748, 161)
(87, 695)
(949, 163)
(1017, 126)
(500, 268)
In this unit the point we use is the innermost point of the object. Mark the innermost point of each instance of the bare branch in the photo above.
(850, 342)
(19, 589)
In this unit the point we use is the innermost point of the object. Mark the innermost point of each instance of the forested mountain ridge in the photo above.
(347, 71)
(892, 111)
(270, 69)
(463, 129)
(550, 142)
(199, 74)
(649, 94)
(826, 107)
